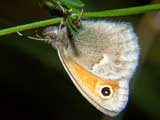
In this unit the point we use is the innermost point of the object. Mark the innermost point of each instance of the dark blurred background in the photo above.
(35, 86)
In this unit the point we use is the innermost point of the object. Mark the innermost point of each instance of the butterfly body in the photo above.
(100, 60)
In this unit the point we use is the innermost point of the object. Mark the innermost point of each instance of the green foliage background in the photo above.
(34, 85)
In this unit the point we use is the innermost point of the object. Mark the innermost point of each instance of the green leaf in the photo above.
(73, 3)
(50, 4)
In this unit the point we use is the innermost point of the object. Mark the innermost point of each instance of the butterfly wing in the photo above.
(85, 82)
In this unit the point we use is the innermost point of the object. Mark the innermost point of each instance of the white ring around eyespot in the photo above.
(105, 97)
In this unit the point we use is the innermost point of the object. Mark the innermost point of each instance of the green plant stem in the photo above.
(106, 13)
(122, 12)
(30, 26)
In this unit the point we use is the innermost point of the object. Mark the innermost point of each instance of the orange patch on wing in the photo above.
(87, 79)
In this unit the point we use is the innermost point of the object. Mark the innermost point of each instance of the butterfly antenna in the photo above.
(36, 37)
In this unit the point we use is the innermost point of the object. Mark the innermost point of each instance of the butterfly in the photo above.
(100, 60)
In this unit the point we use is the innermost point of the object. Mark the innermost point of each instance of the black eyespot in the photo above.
(105, 91)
